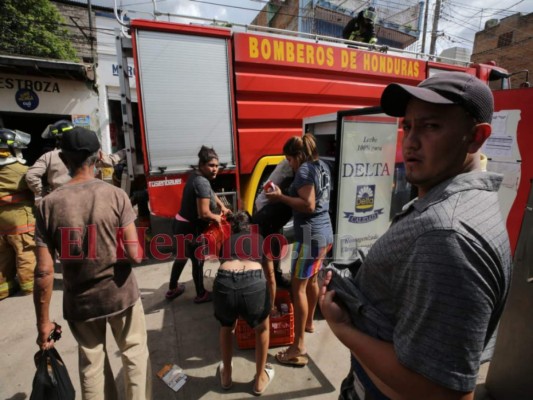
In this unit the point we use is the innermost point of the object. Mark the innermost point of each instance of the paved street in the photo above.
(179, 332)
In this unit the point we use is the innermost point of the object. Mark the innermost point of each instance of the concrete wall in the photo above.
(514, 57)
(284, 18)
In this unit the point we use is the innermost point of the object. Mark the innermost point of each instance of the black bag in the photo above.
(51, 381)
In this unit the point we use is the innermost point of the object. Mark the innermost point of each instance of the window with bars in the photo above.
(505, 39)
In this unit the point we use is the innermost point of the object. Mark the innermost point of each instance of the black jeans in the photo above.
(183, 229)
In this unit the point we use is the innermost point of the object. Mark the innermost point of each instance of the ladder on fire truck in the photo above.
(124, 51)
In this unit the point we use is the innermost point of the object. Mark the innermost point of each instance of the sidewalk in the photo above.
(179, 332)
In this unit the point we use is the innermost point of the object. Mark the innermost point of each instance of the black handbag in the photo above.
(51, 381)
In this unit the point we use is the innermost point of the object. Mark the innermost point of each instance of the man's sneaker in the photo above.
(206, 297)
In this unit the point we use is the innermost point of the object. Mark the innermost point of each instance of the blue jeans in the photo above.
(241, 293)
(372, 392)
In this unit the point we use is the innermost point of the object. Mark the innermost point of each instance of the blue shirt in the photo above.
(315, 226)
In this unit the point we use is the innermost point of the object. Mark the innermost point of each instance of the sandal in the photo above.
(177, 291)
(299, 360)
(269, 370)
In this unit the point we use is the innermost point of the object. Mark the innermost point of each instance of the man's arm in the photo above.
(379, 359)
(349, 28)
(131, 243)
(43, 287)
(110, 160)
(34, 175)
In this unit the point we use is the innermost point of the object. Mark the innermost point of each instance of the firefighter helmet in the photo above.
(12, 142)
(7, 139)
(14, 139)
(370, 15)
(57, 129)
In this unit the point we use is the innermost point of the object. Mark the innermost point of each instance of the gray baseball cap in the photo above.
(458, 88)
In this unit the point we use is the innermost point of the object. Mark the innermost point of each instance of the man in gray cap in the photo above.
(90, 224)
(431, 290)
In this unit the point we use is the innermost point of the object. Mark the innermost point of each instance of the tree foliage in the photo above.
(34, 28)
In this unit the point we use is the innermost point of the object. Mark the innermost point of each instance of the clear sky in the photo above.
(460, 19)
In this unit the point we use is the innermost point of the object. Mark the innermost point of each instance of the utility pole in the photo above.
(425, 27)
(436, 18)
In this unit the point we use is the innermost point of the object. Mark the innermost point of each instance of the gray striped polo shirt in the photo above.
(440, 276)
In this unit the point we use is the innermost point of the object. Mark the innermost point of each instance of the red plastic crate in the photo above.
(281, 328)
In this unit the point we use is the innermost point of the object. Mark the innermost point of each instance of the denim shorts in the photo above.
(241, 294)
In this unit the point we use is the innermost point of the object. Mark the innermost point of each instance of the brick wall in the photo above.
(509, 44)
(77, 23)
(285, 17)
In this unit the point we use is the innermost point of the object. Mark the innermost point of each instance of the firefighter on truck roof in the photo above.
(17, 224)
(362, 27)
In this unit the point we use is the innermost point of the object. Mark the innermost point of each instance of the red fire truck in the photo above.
(244, 93)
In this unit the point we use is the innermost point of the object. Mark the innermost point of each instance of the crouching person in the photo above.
(240, 289)
(81, 220)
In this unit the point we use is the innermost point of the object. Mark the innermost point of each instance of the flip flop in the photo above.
(269, 370)
(298, 361)
(220, 369)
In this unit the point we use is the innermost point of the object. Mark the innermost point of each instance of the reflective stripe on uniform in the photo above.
(27, 287)
(17, 230)
(16, 198)
(6, 288)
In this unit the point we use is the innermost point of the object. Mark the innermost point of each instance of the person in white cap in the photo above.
(420, 315)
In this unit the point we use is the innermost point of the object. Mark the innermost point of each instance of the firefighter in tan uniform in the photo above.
(17, 224)
(50, 166)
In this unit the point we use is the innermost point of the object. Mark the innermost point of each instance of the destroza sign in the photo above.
(46, 95)
(270, 50)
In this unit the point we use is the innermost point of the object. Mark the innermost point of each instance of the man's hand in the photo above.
(44, 329)
(334, 314)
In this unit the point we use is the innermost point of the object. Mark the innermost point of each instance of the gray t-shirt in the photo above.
(318, 223)
(440, 276)
(80, 222)
(197, 187)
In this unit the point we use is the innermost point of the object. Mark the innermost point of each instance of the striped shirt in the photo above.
(440, 275)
